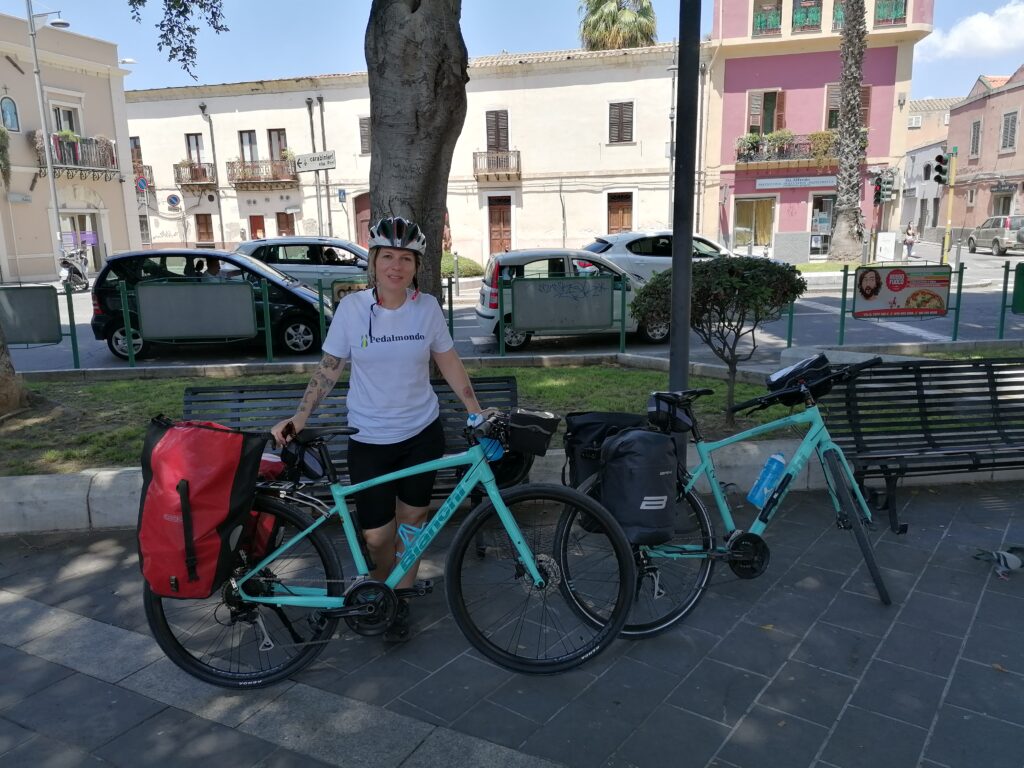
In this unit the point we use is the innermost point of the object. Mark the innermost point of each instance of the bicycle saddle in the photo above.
(682, 396)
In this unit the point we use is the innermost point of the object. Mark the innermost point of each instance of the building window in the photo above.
(914, 121)
(926, 172)
(286, 224)
(767, 18)
(970, 197)
(277, 140)
(497, 130)
(975, 137)
(834, 97)
(807, 16)
(204, 227)
(364, 135)
(147, 239)
(136, 147)
(9, 110)
(945, 119)
(1008, 134)
(194, 147)
(766, 111)
(66, 119)
(247, 146)
(620, 122)
(620, 212)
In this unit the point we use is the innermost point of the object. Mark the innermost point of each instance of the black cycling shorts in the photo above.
(376, 506)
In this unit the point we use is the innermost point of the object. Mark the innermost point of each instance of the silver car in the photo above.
(309, 259)
(999, 233)
(644, 253)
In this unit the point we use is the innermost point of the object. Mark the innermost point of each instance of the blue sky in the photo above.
(270, 39)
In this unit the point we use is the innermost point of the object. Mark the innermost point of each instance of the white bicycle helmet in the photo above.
(396, 232)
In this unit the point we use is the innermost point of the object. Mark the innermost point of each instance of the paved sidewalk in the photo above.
(801, 667)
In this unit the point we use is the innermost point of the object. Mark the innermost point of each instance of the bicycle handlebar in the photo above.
(844, 373)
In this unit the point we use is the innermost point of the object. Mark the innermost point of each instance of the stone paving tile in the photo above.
(496, 724)
(405, 709)
(285, 758)
(975, 533)
(837, 551)
(455, 750)
(539, 697)
(677, 650)
(900, 556)
(796, 534)
(899, 583)
(969, 740)
(671, 737)
(432, 647)
(817, 584)
(83, 711)
(718, 691)
(12, 734)
(379, 682)
(789, 741)
(900, 692)
(175, 738)
(938, 614)
(808, 692)
(715, 613)
(1002, 611)
(864, 739)
(837, 649)
(25, 674)
(859, 613)
(43, 752)
(958, 555)
(990, 645)
(785, 610)
(952, 584)
(457, 687)
(26, 619)
(988, 691)
(755, 648)
(920, 649)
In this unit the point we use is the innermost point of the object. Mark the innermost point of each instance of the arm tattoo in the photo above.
(321, 384)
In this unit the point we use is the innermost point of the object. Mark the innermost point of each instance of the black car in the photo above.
(294, 308)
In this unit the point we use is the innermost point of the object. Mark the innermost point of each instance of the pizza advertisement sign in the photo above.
(901, 291)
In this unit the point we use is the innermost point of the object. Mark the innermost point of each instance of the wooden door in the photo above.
(362, 208)
(257, 229)
(285, 224)
(620, 212)
(499, 216)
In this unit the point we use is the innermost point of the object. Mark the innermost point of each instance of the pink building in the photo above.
(774, 65)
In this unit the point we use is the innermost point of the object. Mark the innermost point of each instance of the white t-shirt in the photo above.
(390, 398)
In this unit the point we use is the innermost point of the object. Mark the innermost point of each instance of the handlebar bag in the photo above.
(585, 432)
(198, 484)
(812, 371)
(638, 484)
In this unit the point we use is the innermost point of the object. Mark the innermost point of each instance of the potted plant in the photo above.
(68, 136)
(777, 143)
(821, 146)
(747, 146)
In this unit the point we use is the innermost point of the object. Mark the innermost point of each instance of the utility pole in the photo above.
(673, 68)
(312, 140)
(327, 174)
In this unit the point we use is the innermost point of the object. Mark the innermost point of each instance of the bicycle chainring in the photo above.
(748, 555)
(380, 598)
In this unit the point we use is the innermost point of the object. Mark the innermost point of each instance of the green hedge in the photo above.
(467, 267)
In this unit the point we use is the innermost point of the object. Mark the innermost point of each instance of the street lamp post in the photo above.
(312, 141)
(47, 142)
(216, 188)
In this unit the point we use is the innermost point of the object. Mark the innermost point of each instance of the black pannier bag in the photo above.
(812, 371)
(638, 484)
(585, 432)
(531, 431)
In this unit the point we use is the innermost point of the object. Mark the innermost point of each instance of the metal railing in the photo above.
(838, 19)
(257, 171)
(890, 13)
(83, 152)
(501, 162)
(767, 21)
(807, 16)
(195, 173)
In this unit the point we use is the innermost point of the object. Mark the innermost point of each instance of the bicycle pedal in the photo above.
(419, 589)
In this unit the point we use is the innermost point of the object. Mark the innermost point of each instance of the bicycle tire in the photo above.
(848, 505)
(500, 611)
(217, 639)
(682, 581)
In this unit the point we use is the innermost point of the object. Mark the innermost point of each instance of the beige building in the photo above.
(928, 121)
(557, 147)
(86, 126)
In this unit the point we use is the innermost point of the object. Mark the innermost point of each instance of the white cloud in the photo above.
(981, 35)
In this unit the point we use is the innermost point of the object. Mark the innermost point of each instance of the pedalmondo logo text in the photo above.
(368, 339)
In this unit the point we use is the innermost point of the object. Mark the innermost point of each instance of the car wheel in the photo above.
(117, 342)
(654, 333)
(996, 249)
(971, 245)
(298, 335)
(514, 340)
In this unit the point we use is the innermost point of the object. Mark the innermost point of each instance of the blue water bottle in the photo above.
(767, 480)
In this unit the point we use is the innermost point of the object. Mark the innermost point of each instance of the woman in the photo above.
(909, 238)
(390, 332)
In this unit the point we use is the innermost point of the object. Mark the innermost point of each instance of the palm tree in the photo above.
(607, 24)
(849, 230)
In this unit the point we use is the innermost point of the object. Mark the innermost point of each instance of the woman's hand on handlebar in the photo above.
(284, 431)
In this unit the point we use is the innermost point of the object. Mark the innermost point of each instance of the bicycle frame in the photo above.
(816, 441)
(479, 473)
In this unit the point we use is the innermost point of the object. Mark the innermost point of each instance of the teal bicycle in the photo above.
(503, 576)
(672, 577)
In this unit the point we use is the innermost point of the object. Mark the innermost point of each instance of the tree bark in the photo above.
(12, 394)
(417, 64)
(849, 230)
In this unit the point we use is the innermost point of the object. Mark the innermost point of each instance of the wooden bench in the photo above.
(258, 407)
(931, 417)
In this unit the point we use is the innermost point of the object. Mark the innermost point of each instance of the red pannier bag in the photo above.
(198, 485)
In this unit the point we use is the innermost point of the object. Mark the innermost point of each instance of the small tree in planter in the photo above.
(731, 297)
(822, 143)
(777, 143)
(747, 146)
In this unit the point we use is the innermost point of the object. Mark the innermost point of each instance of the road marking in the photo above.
(898, 327)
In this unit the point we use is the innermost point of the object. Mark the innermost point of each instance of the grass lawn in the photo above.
(77, 426)
(976, 354)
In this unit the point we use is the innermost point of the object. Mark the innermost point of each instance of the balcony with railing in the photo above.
(195, 175)
(262, 174)
(74, 155)
(497, 165)
(890, 13)
(838, 19)
(807, 16)
(767, 19)
(785, 149)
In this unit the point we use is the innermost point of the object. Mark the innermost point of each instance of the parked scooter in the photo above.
(74, 269)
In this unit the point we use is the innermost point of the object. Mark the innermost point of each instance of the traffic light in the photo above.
(940, 173)
(878, 189)
(887, 186)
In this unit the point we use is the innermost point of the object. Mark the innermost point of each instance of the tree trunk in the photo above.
(12, 394)
(849, 230)
(730, 393)
(417, 65)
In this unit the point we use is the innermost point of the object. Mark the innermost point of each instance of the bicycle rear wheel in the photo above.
(672, 577)
(226, 641)
(841, 486)
(505, 615)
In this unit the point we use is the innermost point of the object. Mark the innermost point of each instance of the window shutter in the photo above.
(780, 110)
(627, 121)
(364, 135)
(1009, 138)
(865, 104)
(755, 106)
(975, 137)
(620, 122)
(832, 96)
(497, 131)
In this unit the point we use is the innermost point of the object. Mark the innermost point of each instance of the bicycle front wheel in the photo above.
(849, 507)
(672, 577)
(530, 628)
(226, 641)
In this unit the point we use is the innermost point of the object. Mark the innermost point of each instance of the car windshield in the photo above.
(598, 246)
(257, 266)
